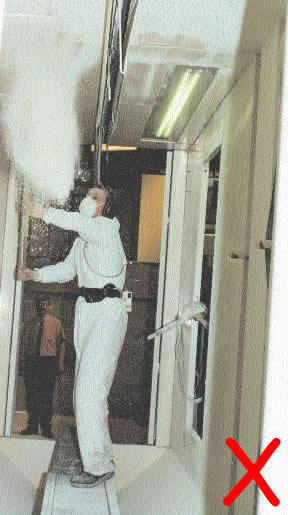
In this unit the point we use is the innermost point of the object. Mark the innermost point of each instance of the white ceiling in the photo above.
(167, 33)
(38, 24)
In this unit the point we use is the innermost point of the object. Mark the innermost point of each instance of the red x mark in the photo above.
(253, 472)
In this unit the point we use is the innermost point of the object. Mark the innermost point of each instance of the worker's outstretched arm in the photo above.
(62, 272)
(90, 229)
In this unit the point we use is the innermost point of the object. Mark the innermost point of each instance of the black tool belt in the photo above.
(98, 294)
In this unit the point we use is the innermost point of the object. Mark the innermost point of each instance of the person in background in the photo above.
(43, 351)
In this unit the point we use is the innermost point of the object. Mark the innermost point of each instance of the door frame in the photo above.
(160, 299)
(7, 301)
(23, 224)
(168, 300)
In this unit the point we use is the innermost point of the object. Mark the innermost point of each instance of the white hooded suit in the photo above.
(97, 258)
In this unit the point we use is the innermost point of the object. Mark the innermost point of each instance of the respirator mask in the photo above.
(88, 206)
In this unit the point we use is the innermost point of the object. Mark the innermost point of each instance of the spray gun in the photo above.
(194, 311)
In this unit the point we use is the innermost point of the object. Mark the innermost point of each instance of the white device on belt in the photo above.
(127, 297)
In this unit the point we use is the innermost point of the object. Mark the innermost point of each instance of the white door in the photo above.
(191, 270)
(180, 273)
(168, 298)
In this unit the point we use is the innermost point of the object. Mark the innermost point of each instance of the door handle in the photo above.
(193, 311)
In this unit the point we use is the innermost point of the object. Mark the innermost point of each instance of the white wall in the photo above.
(4, 174)
(275, 420)
(210, 463)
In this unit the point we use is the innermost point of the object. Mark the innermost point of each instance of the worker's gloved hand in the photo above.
(33, 209)
(26, 274)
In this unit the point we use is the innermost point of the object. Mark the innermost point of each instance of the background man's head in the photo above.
(43, 305)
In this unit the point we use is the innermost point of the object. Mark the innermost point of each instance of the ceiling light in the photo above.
(186, 86)
(174, 108)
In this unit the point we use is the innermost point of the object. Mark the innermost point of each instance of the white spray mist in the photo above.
(39, 113)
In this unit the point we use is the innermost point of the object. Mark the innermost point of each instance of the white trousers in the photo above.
(100, 329)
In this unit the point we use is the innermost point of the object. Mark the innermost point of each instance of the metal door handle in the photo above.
(193, 311)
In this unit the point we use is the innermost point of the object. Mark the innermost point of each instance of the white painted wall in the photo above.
(4, 174)
(276, 379)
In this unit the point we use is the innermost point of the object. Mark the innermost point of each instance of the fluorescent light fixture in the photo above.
(184, 90)
(174, 108)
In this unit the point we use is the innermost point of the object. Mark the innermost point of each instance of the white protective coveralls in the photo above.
(100, 327)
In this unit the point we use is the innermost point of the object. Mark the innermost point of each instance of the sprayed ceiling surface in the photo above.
(66, 36)
(197, 33)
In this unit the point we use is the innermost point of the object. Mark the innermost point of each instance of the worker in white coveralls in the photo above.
(98, 259)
